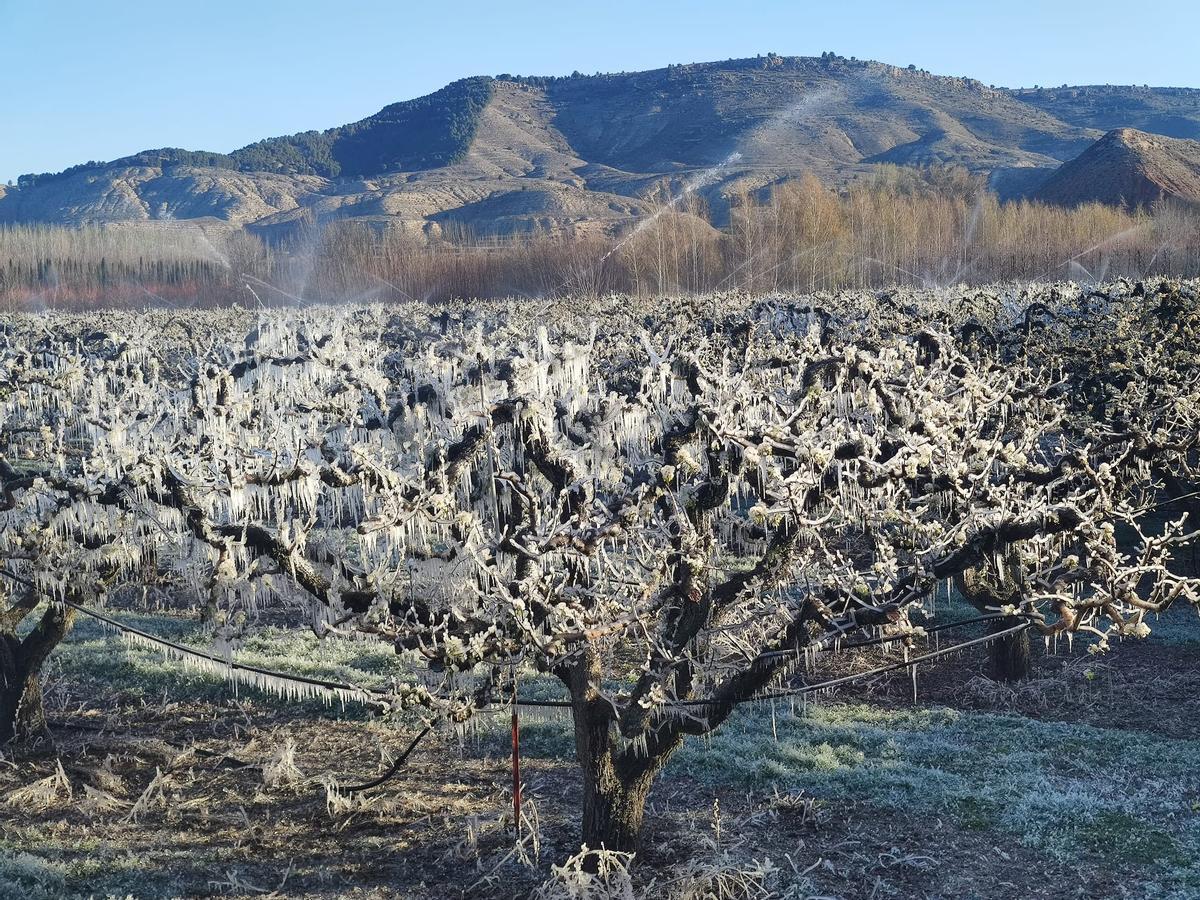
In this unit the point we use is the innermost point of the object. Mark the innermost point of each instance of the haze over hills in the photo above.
(511, 155)
(1171, 111)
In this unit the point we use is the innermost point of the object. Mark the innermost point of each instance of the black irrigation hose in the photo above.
(403, 757)
(904, 664)
(233, 666)
(561, 704)
(392, 769)
(887, 639)
(365, 695)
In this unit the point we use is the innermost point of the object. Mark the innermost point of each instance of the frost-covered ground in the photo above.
(981, 791)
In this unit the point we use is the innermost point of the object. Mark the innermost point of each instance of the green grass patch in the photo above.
(1132, 840)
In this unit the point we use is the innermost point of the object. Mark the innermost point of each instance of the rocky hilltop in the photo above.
(514, 154)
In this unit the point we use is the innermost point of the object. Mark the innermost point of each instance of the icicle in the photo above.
(280, 684)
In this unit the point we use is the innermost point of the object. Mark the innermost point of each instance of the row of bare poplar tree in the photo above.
(899, 227)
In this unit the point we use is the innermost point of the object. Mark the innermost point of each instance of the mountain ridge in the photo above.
(512, 154)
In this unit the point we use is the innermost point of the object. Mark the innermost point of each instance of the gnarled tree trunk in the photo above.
(613, 813)
(1010, 657)
(614, 802)
(21, 714)
(616, 780)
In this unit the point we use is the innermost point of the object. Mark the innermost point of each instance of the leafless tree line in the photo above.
(902, 226)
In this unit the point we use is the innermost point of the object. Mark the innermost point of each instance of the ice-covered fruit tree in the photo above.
(670, 508)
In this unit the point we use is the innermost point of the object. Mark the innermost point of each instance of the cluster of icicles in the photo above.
(280, 684)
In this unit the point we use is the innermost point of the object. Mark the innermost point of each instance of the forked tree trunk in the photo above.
(22, 717)
(613, 809)
(1011, 657)
(616, 782)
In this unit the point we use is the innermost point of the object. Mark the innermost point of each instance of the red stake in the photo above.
(516, 759)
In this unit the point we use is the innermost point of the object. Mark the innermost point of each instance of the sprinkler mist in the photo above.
(218, 256)
(272, 287)
(769, 132)
(1075, 267)
(693, 184)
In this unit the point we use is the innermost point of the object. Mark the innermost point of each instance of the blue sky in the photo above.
(102, 79)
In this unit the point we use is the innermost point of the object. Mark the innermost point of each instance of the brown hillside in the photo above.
(1128, 167)
(505, 155)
